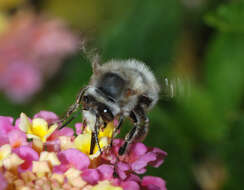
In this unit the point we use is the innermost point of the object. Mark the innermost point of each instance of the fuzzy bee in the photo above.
(118, 89)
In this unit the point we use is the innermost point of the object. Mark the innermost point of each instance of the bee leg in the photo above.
(73, 108)
(139, 131)
(94, 138)
(71, 119)
(130, 136)
(144, 127)
(116, 130)
(93, 143)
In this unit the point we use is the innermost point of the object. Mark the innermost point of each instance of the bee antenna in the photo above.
(90, 54)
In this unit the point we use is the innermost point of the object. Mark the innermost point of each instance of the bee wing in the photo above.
(175, 87)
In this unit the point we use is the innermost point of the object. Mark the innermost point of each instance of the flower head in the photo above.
(31, 51)
(56, 159)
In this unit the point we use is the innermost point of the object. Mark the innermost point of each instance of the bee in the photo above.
(117, 89)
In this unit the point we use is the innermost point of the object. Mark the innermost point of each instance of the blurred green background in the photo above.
(201, 42)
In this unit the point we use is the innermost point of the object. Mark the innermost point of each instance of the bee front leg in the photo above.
(72, 109)
(139, 131)
(94, 138)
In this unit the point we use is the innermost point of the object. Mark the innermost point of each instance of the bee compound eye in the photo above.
(105, 113)
(86, 99)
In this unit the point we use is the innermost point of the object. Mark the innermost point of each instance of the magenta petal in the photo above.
(133, 177)
(50, 117)
(153, 183)
(130, 185)
(137, 150)
(3, 182)
(66, 132)
(160, 154)
(106, 171)
(9, 119)
(28, 155)
(17, 138)
(60, 169)
(5, 125)
(117, 143)
(139, 165)
(3, 140)
(62, 132)
(121, 168)
(17, 122)
(116, 122)
(53, 146)
(78, 128)
(91, 176)
(75, 158)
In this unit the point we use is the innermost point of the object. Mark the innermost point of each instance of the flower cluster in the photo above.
(35, 154)
(31, 50)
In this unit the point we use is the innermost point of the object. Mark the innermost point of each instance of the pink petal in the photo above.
(130, 185)
(3, 140)
(61, 168)
(17, 138)
(50, 117)
(137, 150)
(78, 128)
(62, 132)
(9, 119)
(91, 176)
(28, 154)
(3, 182)
(5, 125)
(66, 132)
(106, 171)
(116, 123)
(153, 183)
(160, 154)
(75, 158)
(121, 169)
(117, 143)
(133, 177)
(112, 155)
(53, 146)
(139, 165)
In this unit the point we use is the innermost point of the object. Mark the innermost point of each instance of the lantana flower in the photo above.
(37, 128)
(68, 165)
(32, 48)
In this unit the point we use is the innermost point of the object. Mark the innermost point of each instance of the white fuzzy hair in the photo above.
(137, 75)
